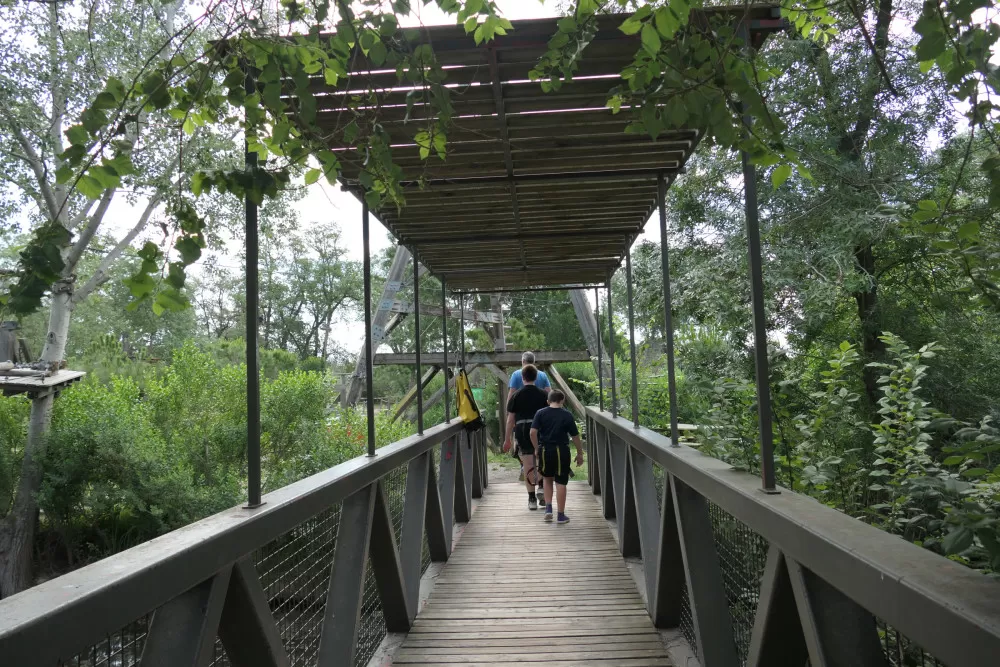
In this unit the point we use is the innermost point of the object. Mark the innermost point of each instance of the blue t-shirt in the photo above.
(517, 383)
(555, 426)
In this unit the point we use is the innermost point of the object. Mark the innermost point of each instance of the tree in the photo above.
(48, 84)
(306, 285)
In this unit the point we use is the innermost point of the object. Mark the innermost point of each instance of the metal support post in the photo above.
(253, 309)
(369, 352)
(600, 360)
(461, 325)
(444, 345)
(631, 339)
(668, 318)
(757, 301)
(611, 351)
(416, 340)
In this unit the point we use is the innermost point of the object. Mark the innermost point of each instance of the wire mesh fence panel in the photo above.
(661, 483)
(900, 651)
(687, 621)
(119, 649)
(742, 555)
(394, 484)
(219, 657)
(425, 555)
(295, 573)
(371, 627)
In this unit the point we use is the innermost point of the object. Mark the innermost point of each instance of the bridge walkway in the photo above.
(518, 590)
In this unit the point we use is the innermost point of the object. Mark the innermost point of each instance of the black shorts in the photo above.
(522, 436)
(555, 462)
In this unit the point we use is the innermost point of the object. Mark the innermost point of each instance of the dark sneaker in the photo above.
(562, 518)
(532, 504)
(548, 517)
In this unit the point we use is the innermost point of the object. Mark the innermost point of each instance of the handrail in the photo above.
(949, 610)
(66, 615)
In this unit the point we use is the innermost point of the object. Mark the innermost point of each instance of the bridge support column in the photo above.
(600, 352)
(416, 340)
(369, 352)
(757, 301)
(713, 626)
(611, 350)
(634, 394)
(668, 323)
(621, 479)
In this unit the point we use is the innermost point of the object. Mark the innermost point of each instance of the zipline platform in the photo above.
(37, 385)
(518, 590)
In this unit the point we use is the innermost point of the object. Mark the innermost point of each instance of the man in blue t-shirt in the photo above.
(516, 383)
(551, 431)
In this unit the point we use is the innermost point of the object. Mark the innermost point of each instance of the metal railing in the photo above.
(315, 575)
(769, 580)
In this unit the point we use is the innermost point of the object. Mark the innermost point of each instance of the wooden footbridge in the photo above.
(408, 555)
(413, 558)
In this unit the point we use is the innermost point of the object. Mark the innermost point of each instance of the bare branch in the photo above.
(87, 235)
(61, 194)
(100, 275)
(82, 215)
(33, 159)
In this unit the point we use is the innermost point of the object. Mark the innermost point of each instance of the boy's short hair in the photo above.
(529, 373)
(556, 396)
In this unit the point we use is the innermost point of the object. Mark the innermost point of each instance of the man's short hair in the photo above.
(556, 396)
(527, 357)
(529, 373)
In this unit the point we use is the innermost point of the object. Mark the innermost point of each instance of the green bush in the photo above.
(111, 480)
(129, 458)
(13, 432)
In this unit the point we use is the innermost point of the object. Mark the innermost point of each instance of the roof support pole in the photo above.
(668, 319)
(600, 356)
(611, 351)
(461, 326)
(757, 301)
(253, 308)
(369, 352)
(416, 340)
(444, 346)
(631, 338)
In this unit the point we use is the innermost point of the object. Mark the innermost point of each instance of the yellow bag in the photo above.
(468, 411)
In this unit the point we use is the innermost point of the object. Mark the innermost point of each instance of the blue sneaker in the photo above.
(562, 518)
(548, 517)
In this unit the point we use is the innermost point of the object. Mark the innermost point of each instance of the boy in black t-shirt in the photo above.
(524, 404)
(550, 433)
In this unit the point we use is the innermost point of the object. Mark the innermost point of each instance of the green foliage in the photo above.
(13, 431)
(144, 450)
(830, 450)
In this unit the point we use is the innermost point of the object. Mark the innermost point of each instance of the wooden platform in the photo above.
(517, 590)
(19, 384)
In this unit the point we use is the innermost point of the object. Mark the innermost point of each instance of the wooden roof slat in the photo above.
(537, 188)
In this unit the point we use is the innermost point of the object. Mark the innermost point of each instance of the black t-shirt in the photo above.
(525, 403)
(555, 426)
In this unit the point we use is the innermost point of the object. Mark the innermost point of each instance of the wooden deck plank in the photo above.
(518, 590)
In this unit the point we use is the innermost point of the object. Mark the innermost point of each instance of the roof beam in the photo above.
(510, 358)
(523, 236)
(505, 140)
(486, 317)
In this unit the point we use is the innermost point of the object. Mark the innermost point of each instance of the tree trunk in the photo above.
(17, 531)
(872, 346)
